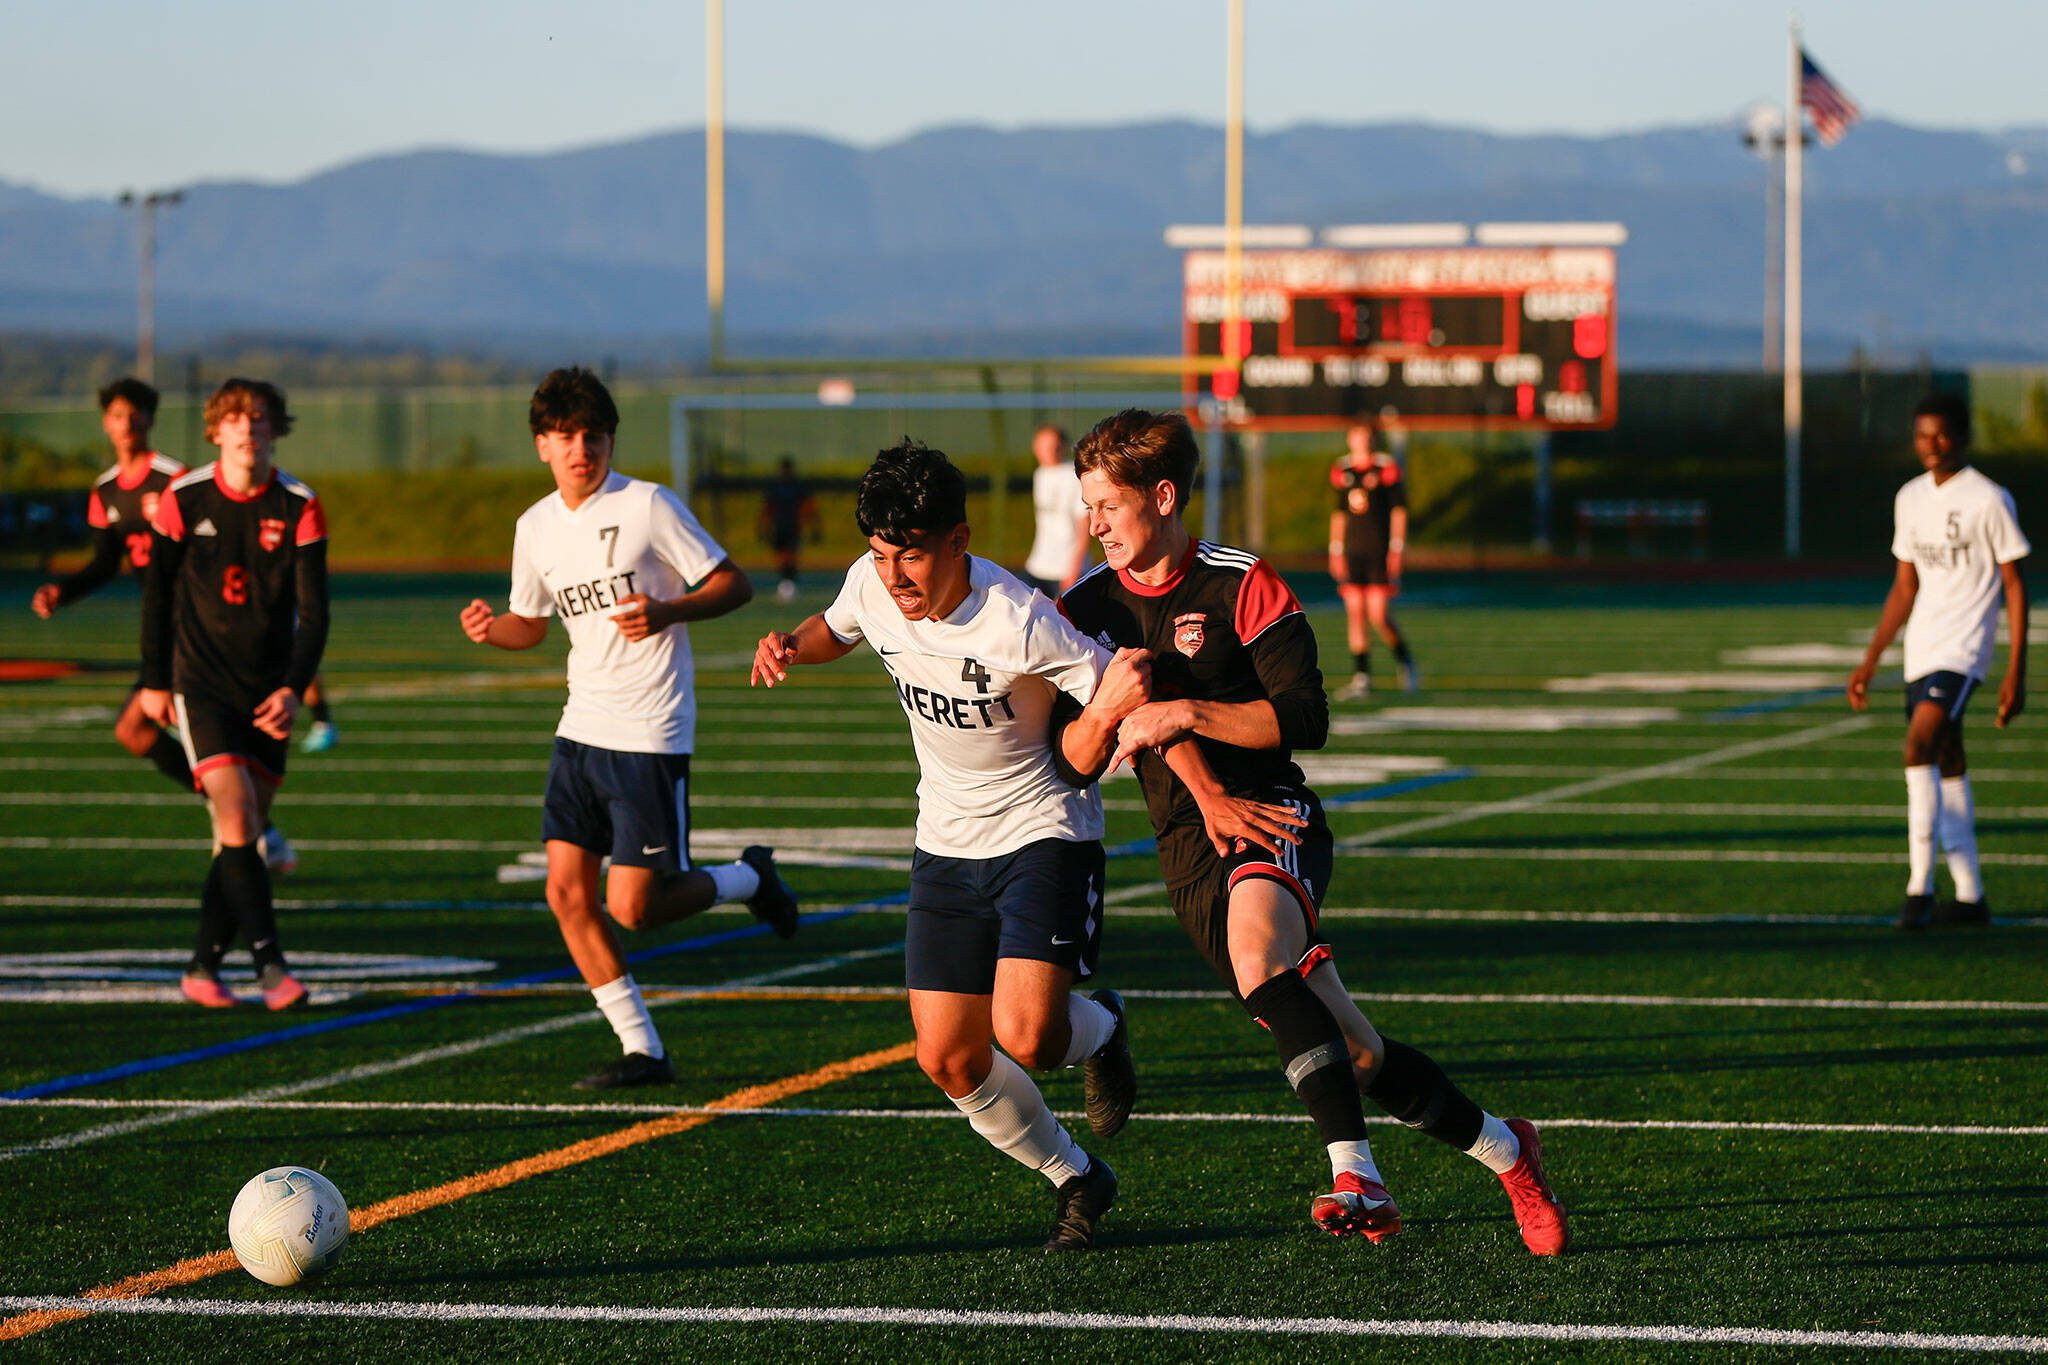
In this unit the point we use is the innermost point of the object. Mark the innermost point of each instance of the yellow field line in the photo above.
(198, 1268)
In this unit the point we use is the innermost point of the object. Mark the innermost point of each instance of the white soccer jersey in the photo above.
(630, 536)
(1955, 534)
(977, 688)
(1056, 502)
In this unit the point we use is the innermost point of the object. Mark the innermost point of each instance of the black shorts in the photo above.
(1367, 570)
(1203, 905)
(1951, 690)
(222, 734)
(1042, 902)
(634, 807)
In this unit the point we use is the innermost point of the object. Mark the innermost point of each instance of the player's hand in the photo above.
(156, 704)
(1337, 570)
(276, 712)
(1859, 688)
(2012, 699)
(1152, 726)
(772, 659)
(1126, 683)
(476, 621)
(44, 603)
(1393, 568)
(1234, 821)
(640, 618)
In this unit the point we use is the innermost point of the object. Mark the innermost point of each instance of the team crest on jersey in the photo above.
(1188, 632)
(270, 532)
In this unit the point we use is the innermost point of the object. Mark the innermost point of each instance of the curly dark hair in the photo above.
(573, 399)
(910, 491)
(142, 395)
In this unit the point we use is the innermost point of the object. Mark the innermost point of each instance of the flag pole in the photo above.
(1795, 416)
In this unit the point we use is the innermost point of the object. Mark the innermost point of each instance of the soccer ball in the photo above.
(288, 1225)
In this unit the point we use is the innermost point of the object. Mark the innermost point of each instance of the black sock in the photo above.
(245, 888)
(1313, 1053)
(1361, 663)
(1401, 652)
(319, 709)
(1414, 1089)
(169, 757)
(216, 926)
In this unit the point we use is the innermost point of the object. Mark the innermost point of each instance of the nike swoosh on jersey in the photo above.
(886, 652)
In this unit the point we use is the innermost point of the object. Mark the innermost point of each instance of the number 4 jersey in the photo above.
(978, 688)
(235, 597)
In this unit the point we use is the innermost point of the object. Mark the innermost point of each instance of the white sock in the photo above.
(1092, 1024)
(620, 1000)
(1012, 1115)
(1923, 807)
(1958, 824)
(1496, 1148)
(732, 882)
(1355, 1157)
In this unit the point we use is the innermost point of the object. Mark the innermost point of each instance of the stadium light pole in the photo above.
(1765, 136)
(1795, 393)
(1233, 266)
(146, 206)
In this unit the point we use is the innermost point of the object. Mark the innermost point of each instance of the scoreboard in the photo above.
(1433, 337)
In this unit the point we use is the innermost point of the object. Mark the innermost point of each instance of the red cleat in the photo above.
(207, 991)
(1357, 1207)
(285, 993)
(1537, 1212)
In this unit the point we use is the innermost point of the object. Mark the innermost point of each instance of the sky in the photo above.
(102, 95)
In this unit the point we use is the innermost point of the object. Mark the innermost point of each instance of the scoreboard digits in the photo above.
(1445, 337)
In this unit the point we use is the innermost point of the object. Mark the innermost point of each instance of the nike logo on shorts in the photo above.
(647, 852)
(1059, 942)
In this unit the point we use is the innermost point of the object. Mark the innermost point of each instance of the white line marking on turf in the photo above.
(950, 1114)
(484, 765)
(1681, 855)
(448, 1051)
(273, 1308)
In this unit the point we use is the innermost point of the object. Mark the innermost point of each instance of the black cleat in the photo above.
(635, 1068)
(1962, 914)
(1112, 1082)
(1915, 913)
(1078, 1204)
(774, 904)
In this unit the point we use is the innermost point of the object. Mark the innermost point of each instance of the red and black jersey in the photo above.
(120, 514)
(1223, 628)
(1367, 495)
(234, 602)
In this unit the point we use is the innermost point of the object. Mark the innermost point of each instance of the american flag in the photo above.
(1833, 111)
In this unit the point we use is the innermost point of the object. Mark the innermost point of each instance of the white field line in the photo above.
(1687, 855)
(949, 1114)
(803, 845)
(726, 736)
(367, 1070)
(530, 800)
(274, 1308)
(1813, 810)
(483, 765)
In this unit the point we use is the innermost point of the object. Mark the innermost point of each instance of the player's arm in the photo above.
(2012, 696)
(726, 588)
(1337, 566)
(1397, 541)
(812, 642)
(1084, 737)
(108, 548)
(510, 631)
(159, 588)
(276, 712)
(1898, 605)
(1226, 818)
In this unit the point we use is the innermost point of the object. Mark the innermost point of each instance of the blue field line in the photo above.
(1401, 788)
(145, 1065)
(1785, 702)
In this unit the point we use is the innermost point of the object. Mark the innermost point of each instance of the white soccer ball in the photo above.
(288, 1225)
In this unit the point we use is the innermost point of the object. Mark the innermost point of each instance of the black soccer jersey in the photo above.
(235, 597)
(119, 514)
(1223, 628)
(1367, 496)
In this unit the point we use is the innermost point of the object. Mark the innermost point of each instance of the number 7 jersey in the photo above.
(978, 688)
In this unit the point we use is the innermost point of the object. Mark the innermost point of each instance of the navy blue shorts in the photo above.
(1952, 691)
(634, 807)
(1042, 902)
(1303, 870)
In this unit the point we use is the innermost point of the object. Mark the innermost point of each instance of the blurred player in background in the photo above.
(321, 734)
(1234, 667)
(234, 619)
(1368, 533)
(788, 514)
(1958, 544)
(1012, 714)
(616, 557)
(1059, 545)
(124, 499)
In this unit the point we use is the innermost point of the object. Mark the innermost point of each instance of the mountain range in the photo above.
(974, 240)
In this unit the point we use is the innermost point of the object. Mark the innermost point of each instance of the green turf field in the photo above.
(1626, 866)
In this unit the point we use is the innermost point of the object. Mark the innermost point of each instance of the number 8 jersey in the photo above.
(977, 688)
